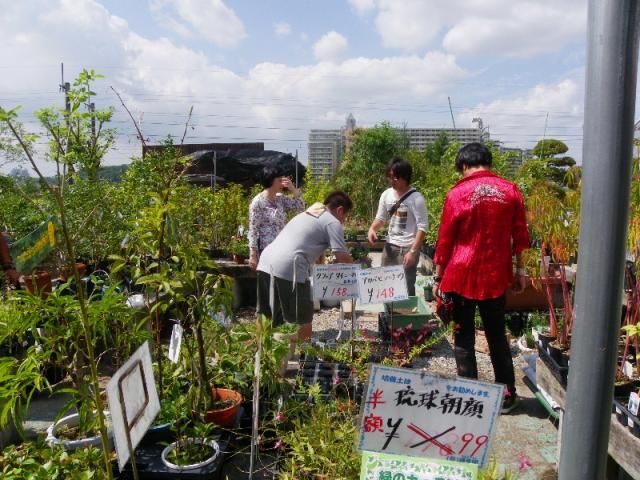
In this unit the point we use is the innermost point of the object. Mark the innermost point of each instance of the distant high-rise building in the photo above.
(327, 147)
(419, 138)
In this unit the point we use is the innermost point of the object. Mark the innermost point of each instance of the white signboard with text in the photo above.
(133, 402)
(338, 281)
(410, 412)
(382, 285)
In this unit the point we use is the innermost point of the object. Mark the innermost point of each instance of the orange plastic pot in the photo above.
(225, 417)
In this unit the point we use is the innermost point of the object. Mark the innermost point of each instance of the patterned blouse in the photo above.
(268, 217)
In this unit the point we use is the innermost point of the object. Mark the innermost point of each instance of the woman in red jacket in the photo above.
(483, 226)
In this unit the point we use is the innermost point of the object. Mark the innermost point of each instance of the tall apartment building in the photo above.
(419, 138)
(327, 147)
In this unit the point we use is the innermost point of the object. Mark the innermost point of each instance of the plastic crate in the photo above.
(559, 372)
(397, 313)
(151, 467)
(625, 417)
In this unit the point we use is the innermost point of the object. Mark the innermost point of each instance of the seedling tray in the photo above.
(328, 375)
(151, 467)
(559, 372)
(625, 417)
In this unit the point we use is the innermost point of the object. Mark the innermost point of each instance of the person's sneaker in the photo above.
(510, 403)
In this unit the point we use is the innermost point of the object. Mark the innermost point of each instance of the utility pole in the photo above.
(65, 87)
(215, 170)
(610, 100)
(296, 160)
(451, 111)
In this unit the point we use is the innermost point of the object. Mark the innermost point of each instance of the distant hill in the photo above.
(113, 173)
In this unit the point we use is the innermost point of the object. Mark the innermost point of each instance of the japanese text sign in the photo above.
(338, 281)
(409, 412)
(382, 285)
(379, 466)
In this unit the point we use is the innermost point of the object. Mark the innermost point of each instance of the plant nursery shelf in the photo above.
(624, 447)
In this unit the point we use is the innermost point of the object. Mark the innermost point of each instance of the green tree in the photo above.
(548, 151)
(315, 189)
(361, 174)
(436, 150)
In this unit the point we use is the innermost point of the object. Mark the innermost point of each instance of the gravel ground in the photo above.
(326, 325)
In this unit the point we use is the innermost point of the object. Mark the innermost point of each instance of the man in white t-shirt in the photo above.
(406, 211)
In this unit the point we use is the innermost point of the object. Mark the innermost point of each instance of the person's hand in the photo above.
(435, 289)
(409, 260)
(253, 262)
(287, 184)
(372, 236)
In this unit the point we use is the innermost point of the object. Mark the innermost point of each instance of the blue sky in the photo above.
(272, 70)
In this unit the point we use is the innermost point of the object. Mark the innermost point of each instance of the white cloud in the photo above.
(358, 80)
(331, 47)
(521, 120)
(411, 25)
(209, 19)
(362, 6)
(481, 27)
(528, 29)
(159, 80)
(282, 29)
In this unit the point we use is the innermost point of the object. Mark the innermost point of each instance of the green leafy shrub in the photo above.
(37, 461)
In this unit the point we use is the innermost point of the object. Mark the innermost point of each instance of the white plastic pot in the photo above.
(211, 443)
(72, 421)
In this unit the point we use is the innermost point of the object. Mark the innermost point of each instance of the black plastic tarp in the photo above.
(242, 166)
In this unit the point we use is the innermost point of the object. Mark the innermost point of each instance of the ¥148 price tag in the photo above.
(382, 285)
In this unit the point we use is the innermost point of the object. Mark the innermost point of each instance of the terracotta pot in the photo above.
(225, 417)
(66, 272)
(239, 259)
(5, 255)
(37, 284)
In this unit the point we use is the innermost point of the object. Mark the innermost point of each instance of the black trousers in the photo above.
(492, 315)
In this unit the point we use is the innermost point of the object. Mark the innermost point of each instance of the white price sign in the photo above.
(409, 412)
(382, 285)
(176, 342)
(338, 281)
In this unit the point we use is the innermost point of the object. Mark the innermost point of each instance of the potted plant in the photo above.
(360, 254)
(193, 449)
(239, 249)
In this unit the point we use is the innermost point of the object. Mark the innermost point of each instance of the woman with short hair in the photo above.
(267, 212)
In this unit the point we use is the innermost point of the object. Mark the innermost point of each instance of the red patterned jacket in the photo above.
(483, 224)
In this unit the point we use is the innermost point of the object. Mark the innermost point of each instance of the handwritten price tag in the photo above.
(338, 281)
(382, 285)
